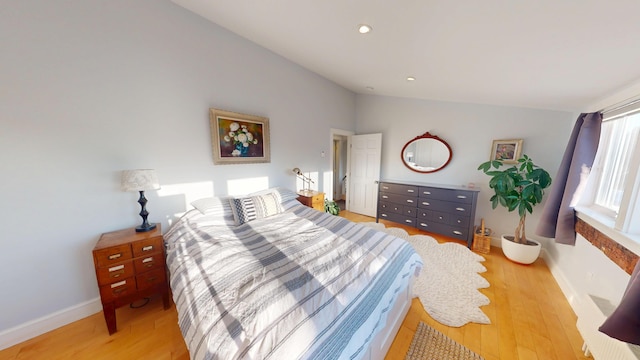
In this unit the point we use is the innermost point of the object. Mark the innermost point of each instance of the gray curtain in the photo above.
(624, 323)
(558, 218)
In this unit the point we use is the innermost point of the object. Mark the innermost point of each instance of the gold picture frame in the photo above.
(239, 138)
(508, 151)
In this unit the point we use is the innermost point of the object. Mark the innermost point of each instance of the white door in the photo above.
(364, 173)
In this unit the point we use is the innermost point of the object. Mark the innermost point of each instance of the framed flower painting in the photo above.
(239, 138)
(506, 150)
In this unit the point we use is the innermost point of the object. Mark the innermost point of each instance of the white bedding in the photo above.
(298, 284)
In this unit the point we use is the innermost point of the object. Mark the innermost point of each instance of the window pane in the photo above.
(619, 139)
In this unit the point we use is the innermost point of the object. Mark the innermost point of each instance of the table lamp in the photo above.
(141, 180)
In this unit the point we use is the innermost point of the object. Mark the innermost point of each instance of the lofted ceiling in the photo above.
(546, 54)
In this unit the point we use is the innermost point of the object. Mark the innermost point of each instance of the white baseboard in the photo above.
(569, 292)
(49, 322)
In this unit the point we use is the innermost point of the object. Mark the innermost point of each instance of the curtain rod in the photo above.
(620, 106)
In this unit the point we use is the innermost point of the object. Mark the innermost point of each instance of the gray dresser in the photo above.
(440, 209)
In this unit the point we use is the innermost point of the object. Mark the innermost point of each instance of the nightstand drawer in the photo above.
(150, 279)
(114, 273)
(147, 263)
(147, 246)
(112, 255)
(118, 289)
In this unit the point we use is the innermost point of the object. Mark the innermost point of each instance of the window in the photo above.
(615, 170)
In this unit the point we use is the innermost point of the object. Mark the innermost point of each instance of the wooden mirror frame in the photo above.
(426, 135)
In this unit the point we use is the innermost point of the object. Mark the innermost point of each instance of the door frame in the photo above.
(332, 133)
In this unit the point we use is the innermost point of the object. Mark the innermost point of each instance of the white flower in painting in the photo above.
(232, 134)
(235, 152)
(242, 138)
(234, 126)
(255, 141)
(249, 136)
(245, 144)
(227, 138)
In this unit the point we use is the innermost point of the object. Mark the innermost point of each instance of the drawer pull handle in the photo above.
(425, 203)
(408, 221)
(427, 192)
(384, 215)
(115, 256)
(395, 208)
(147, 248)
(410, 190)
(457, 232)
(385, 187)
(147, 260)
(460, 209)
(424, 225)
(459, 221)
(440, 217)
(385, 197)
(116, 274)
(461, 197)
(119, 290)
(410, 201)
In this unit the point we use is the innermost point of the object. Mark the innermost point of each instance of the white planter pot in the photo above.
(520, 253)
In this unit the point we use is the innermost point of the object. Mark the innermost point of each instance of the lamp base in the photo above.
(145, 227)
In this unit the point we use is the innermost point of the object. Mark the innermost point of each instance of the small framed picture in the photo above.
(508, 151)
(239, 138)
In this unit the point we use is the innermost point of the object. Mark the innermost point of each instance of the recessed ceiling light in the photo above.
(364, 28)
(370, 88)
(410, 78)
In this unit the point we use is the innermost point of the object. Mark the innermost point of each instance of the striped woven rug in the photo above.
(430, 344)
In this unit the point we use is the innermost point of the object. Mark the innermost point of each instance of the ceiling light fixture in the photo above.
(364, 28)
(410, 78)
(370, 88)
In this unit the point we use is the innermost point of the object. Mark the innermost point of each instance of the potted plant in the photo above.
(331, 207)
(519, 187)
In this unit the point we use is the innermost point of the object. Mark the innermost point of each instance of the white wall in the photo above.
(469, 129)
(90, 88)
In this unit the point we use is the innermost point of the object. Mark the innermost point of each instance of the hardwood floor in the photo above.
(530, 319)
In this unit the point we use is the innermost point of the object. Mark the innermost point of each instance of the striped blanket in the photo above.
(300, 284)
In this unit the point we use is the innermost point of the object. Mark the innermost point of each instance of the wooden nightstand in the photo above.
(312, 199)
(129, 266)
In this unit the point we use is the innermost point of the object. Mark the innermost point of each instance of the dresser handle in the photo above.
(457, 232)
(383, 215)
(440, 217)
(385, 187)
(408, 221)
(461, 197)
(427, 192)
(147, 248)
(460, 209)
(116, 268)
(410, 190)
(385, 197)
(425, 203)
(118, 284)
(424, 225)
(395, 208)
(410, 201)
(119, 290)
(116, 274)
(115, 256)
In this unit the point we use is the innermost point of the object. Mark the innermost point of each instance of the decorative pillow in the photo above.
(285, 196)
(217, 209)
(254, 207)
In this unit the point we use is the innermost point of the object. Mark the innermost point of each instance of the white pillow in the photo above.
(254, 207)
(218, 209)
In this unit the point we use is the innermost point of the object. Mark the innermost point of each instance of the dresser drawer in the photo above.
(402, 219)
(460, 209)
(112, 255)
(118, 289)
(115, 272)
(460, 196)
(150, 278)
(147, 246)
(147, 263)
(390, 207)
(398, 189)
(399, 199)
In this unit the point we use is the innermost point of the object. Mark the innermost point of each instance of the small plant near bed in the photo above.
(519, 187)
(331, 207)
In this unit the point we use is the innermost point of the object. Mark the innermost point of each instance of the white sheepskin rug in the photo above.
(449, 281)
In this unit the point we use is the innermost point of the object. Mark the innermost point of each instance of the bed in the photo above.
(265, 277)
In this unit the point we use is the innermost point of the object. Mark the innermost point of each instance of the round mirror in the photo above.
(426, 153)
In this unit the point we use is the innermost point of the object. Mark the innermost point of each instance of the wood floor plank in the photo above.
(530, 319)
